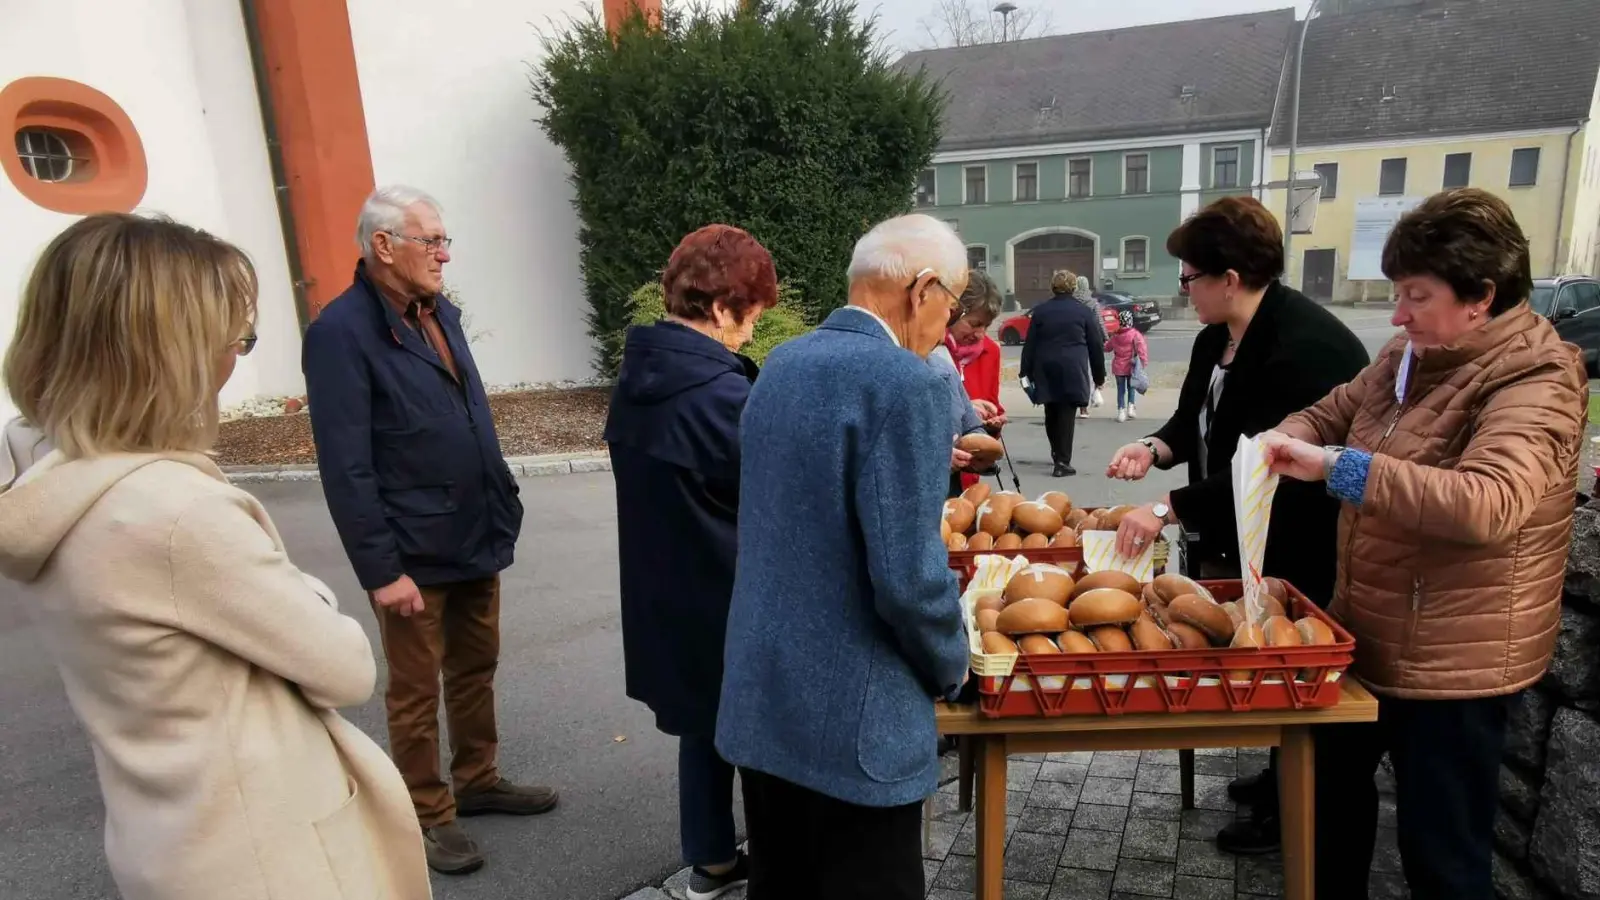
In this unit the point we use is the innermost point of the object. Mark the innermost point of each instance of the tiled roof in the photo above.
(1123, 83)
(1449, 67)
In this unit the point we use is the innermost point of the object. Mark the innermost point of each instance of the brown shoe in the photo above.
(450, 850)
(508, 799)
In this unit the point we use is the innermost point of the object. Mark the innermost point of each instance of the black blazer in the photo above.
(1065, 342)
(1293, 353)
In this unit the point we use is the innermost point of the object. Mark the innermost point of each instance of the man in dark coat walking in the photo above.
(426, 508)
(1063, 361)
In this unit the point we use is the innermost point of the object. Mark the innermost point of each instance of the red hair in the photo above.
(719, 263)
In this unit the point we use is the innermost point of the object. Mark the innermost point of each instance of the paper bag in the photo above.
(1253, 487)
(1100, 554)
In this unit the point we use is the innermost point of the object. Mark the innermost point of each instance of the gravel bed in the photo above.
(529, 423)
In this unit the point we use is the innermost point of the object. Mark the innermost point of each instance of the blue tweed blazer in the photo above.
(844, 625)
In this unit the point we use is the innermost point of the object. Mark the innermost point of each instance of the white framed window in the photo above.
(976, 179)
(1026, 186)
(955, 225)
(45, 154)
(1225, 167)
(1135, 255)
(1136, 173)
(1080, 177)
(927, 190)
(978, 257)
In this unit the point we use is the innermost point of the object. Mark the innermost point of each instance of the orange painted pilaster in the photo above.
(617, 12)
(322, 134)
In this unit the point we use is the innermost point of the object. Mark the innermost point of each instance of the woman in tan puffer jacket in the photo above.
(1456, 456)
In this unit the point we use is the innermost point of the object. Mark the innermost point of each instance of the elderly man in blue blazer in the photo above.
(844, 625)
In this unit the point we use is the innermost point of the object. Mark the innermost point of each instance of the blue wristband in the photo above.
(1348, 480)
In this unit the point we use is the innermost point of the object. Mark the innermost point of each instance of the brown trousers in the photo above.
(458, 635)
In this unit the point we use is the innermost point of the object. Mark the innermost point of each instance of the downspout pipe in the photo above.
(1294, 142)
(1561, 201)
(280, 178)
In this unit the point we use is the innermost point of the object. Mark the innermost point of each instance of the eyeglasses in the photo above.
(246, 344)
(1185, 280)
(955, 299)
(434, 245)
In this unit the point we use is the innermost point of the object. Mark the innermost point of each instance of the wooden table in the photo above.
(992, 740)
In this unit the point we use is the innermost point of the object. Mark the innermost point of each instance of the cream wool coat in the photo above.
(206, 670)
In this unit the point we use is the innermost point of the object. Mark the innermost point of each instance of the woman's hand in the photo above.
(1293, 457)
(959, 459)
(1138, 529)
(1131, 463)
(993, 418)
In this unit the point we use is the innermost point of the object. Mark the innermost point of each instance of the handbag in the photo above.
(1139, 379)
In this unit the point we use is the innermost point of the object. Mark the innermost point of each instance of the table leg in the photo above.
(1186, 777)
(1297, 808)
(967, 768)
(991, 813)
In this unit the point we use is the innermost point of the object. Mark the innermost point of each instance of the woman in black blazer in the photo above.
(1063, 361)
(1267, 351)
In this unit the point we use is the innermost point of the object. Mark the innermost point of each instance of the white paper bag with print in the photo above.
(1100, 554)
(1253, 488)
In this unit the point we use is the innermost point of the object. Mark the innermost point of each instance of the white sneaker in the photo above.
(1122, 415)
(1133, 413)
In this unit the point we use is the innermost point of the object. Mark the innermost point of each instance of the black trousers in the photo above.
(1446, 756)
(1060, 421)
(805, 845)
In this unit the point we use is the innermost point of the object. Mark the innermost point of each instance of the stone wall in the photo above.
(1548, 834)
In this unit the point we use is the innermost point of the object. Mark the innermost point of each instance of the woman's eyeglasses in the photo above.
(1185, 280)
(246, 344)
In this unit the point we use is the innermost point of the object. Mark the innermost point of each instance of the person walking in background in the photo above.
(845, 625)
(1063, 362)
(1082, 293)
(205, 668)
(1455, 460)
(425, 507)
(673, 435)
(1127, 346)
(1264, 352)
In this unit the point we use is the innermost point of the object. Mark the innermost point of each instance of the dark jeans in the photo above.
(705, 803)
(1060, 421)
(805, 845)
(1446, 756)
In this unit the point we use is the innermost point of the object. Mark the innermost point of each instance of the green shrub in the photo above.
(786, 120)
(776, 325)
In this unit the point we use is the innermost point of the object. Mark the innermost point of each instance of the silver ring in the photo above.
(1138, 542)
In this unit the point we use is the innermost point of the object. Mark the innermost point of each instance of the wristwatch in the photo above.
(1330, 457)
(1150, 443)
(1162, 511)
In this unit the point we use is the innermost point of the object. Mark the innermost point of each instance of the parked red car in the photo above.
(1014, 331)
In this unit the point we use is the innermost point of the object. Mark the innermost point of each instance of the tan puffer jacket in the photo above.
(1450, 570)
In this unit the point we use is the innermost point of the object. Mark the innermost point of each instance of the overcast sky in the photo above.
(900, 19)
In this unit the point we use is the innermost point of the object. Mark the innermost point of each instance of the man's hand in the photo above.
(959, 459)
(402, 597)
(1131, 463)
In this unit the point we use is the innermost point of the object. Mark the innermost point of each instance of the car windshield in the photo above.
(1541, 299)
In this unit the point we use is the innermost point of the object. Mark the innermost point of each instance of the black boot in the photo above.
(1260, 789)
(1254, 836)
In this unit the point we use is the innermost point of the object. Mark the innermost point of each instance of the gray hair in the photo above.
(898, 249)
(385, 211)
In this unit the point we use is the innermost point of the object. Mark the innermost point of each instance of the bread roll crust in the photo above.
(1036, 518)
(1032, 616)
(1037, 643)
(1110, 639)
(1076, 642)
(1110, 578)
(1057, 501)
(996, 643)
(1044, 580)
(1147, 635)
(1206, 615)
(1104, 606)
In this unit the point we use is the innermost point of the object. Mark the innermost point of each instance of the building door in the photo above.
(1040, 257)
(1316, 276)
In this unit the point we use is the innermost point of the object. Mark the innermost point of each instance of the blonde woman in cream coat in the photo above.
(205, 668)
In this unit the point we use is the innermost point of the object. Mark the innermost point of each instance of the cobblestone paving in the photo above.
(1110, 826)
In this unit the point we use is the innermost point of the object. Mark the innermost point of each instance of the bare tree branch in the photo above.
(964, 23)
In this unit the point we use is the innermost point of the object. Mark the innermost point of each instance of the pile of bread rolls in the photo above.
(1045, 610)
(982, 519)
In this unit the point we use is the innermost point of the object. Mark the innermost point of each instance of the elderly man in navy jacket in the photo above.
(844, 625)
(426, 508)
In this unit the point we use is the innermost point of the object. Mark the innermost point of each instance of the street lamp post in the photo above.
(1005, 10)
(1294, 138)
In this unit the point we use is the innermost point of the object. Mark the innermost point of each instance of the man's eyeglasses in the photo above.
(434, 245)
(955, 299)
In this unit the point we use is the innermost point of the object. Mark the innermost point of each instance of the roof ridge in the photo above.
(1207, 20)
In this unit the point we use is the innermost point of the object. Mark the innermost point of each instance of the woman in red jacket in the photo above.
(976, 355)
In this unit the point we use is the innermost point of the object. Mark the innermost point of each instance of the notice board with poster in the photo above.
(1375, 218)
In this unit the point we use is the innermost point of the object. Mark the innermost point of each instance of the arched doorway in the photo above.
(1039, 257)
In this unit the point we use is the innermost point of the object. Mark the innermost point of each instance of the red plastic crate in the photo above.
(1175, 681)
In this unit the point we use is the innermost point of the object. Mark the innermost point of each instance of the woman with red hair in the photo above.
(673, 434)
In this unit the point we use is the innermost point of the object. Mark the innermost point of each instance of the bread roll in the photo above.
(1122, 581)
(1037, 643)
(1036, 518)
(1036, 542)
(1075, 642)
(1171, 586)
(1111, 518)
(1250, 636)
(980, 541)
(987, 619)
(1008, 541)
(1234, 611)
(1089, 523)
(994, 515)
(1314, 632)
(1104, 606)
(985, 450)
(1149, 597)
(1032, 616)
(956, 541)
(1188, 637)
(1056, 501)
(1280, 632)
(1272, 605)
(1206, 615)
(997, 643)
(1110, 639)
(990, 601)
(1066, 537)
(1040, 580)
(959, 513)
(1075, 517)
(945, 532)
(976, 494)
(1277, 589)
(1147, 635)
